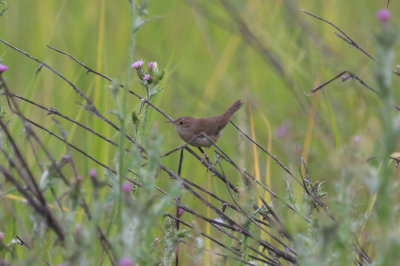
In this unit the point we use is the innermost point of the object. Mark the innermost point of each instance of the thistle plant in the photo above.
(149, 78)
(386, 39)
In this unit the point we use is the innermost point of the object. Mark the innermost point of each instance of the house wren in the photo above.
(190, 129)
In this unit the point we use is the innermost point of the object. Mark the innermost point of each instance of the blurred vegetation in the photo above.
(267, 53)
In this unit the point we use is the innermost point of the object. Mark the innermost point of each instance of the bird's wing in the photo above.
(208, 125)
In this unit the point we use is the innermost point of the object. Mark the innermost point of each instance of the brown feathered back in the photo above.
(220, 121)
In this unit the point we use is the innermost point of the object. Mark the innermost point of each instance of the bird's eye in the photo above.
(181, 123)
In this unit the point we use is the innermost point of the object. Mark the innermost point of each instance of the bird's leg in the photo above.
(178, 214)
(204, 155)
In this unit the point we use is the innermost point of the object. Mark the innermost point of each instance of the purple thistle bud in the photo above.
(67, 158)
(384, 15)
(146, 77)
(3, 68)
(126, 187)
(155, 242)
(151, 65)
(180, 212)
(282, 130)
(126, 261)
(1, 235)
(138, 64)
(93, 173)
(78, 229)
(357, 138)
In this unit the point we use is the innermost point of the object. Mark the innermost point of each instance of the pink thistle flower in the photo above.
(67, 158)
(126, 187)
(126, 261)
(357, 138)
(2, 235)
(384, 15)
(180, 212)
(78, 229)
(155, 242)
(146, 77)
(283, 130)
(138, 64)
(151, 65)
(93, 173)
(3, 68)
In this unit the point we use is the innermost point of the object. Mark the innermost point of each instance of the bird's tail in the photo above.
(234, 107)
(223, 119)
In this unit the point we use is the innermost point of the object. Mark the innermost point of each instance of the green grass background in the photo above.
(209, 65)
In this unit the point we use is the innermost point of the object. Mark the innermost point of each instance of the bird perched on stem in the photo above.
(203, 132)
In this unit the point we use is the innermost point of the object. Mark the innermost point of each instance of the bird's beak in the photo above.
(170, 121)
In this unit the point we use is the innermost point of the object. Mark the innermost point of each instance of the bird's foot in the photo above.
(204, 159)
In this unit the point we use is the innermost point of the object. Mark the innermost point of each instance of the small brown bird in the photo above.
(190, 129)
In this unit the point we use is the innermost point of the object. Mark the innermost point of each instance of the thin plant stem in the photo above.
(122, 112)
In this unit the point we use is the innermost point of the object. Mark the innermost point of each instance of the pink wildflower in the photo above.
(384, 15)
(126, 187)
(146, 77)
(138, 64)
(126, 261)
(3, 68)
